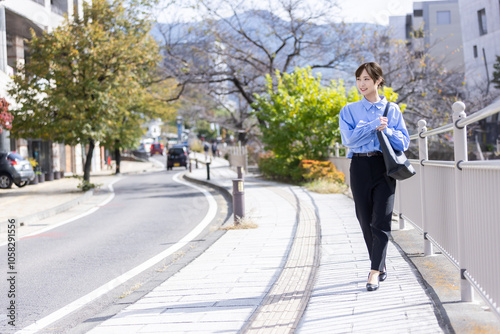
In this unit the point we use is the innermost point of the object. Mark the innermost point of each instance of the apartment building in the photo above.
(17, 19)
(433, 27)
(481, 40)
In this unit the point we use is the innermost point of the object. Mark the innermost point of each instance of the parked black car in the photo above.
(177, 157)
(14, 169)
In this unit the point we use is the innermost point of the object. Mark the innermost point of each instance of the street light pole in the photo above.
(179, 120)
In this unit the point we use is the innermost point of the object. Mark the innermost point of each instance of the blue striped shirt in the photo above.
(358, 122)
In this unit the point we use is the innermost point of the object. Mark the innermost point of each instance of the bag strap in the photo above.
(386, 109)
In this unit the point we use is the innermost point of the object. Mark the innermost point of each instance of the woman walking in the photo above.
(373, 191)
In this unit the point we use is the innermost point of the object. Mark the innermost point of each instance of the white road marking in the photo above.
(86, 213)
(61, 313)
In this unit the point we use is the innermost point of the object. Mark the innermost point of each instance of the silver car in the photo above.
(14, 169)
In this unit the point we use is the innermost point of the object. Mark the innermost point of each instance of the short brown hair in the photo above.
(374, 71)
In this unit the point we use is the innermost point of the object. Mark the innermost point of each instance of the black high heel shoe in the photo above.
(383, 275)
(372, 287)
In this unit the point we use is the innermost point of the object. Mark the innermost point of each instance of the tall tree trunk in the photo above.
(118, 156)
(88, 160)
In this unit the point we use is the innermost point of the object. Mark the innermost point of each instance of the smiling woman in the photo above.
(372, 190)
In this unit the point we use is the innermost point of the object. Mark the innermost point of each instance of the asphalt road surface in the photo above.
(149, 213)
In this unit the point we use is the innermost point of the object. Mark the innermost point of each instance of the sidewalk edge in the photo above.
(56, 210)
(35, 217)
(208, 183)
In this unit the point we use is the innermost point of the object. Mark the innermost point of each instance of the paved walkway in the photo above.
(340, 302)
(266, 280)
(303, 269)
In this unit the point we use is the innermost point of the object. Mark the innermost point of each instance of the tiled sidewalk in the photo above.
(340, 302)
(221, 289)
(303, 270)
(255, 281)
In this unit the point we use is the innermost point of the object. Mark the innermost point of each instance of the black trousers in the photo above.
(373, 193)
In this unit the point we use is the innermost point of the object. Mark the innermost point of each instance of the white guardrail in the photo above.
(237, 156)
(456, 205)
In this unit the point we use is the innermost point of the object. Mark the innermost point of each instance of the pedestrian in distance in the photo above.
(206, 148)
(372, 190)
(214, 148)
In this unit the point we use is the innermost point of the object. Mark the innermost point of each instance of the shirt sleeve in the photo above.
(396, 130)
(356, 135)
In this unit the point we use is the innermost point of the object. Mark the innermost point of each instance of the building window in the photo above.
(408, 26)
(481, 18)
(418, 12)
(474, 48)
(443, 17)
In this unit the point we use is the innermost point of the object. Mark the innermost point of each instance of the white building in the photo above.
(17, 19)
(481, 40)
(400, 27)
(434, 28)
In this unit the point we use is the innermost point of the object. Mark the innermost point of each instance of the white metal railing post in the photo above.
(460, 150)
(400, 210)
(337, 150)
(423, 155)
(246, 157)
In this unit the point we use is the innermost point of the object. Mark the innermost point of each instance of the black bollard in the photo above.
(208, 170)
(240, 170)
(238, 200)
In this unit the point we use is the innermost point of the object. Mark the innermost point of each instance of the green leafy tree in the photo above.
(301, 118)
(125, 133)
(83, 80)
(233, 45)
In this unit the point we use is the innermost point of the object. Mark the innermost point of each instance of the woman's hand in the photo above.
(383, 124)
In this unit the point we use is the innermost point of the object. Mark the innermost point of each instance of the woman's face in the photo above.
(366, 85)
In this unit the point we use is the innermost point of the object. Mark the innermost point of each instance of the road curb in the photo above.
(49, 212)
(35, 217)
(56, 210)
(208, 183)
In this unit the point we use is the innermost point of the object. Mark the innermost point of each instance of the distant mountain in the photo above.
(257, 25)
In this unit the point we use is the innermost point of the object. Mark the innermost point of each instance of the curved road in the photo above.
(149, 213)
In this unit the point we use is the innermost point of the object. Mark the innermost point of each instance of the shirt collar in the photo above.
(379, 105)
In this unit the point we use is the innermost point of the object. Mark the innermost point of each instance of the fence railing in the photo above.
(456, 206)
(237, 156)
